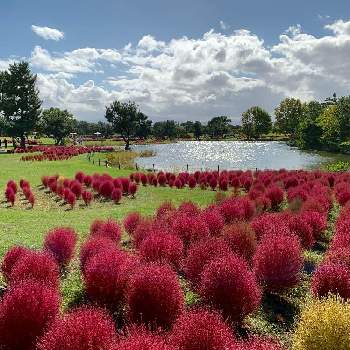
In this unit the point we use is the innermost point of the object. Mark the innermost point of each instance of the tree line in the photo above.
(309, 125)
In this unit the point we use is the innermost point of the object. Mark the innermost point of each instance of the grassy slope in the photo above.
(20, 225)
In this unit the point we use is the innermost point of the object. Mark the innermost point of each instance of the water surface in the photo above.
(202, 155)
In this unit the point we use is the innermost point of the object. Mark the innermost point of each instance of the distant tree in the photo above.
(165, 129)
(197, 130)
(188, 126)
(58, 123)
(218, 126)
(19, 101)
(343, 113)
(330, 125)
(256, 121)
(288, 115)
(126, 119)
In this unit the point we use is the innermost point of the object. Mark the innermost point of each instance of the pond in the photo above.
(202, 155)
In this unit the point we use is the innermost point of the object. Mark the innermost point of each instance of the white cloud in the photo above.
(48, 33)
(223, 25)
(187, 78)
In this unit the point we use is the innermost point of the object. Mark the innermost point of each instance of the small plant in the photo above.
(11, 258)
(131, 221)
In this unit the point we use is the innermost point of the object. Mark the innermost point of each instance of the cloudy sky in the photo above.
(179, 59)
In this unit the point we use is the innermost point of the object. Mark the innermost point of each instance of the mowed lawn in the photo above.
(22, 225)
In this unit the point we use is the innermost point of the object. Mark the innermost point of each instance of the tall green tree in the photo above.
(330, 125)
(165, 129)
(197, 130)
(20, 105)
(255, 122)
(218, 127)
(126, 119)
(343, 113)
(288, 114)
(58, 123)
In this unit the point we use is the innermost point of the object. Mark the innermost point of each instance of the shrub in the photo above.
(125, 184)
(92, 247)
(324, 324)
(214, 220)
(192, 183)
(71, 199)
(338, 256)
(162, 180)
(131, 221)
(132, 189)
(109, 229)
(241, 239)
(317, 221)
(106, 189)
(11, 258)
(278, 262)
(36, 266)
(87, 180)
(154, 297)
(275, 195)
(189, 208)
(83, 328)
(116, 195)
(301, 228)
(269, 223)
(141, 339)
(201, 330)
(106, 275)
(95, 226)
(87, 197)
(228, 285)
(12, 184)
(25, 312)
(200, 254)
(60, 243)
(80, 176)
(76, 188)
(162, 247)
(331, 278)
(143, 230)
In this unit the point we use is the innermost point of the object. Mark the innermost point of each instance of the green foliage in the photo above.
(288, 114)
(127, 120)
(330, 125)
(256, 121)
(19, 101)
(197, 130)
(218, 126)
(338, 166)
(324, 324)
(167, 129)
(57, 123)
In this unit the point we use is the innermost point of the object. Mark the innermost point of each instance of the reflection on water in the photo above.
(201, 155)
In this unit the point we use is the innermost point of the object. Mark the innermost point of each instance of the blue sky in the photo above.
(250, 57)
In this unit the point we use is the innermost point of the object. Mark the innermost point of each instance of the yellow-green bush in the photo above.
(323, 325)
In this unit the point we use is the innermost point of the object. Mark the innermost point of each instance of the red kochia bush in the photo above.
(201, 330)
(76, 188)
(214, 220)
(338, 256)
(131, 221)
(141, 339)
(200, 254)
(87, 180)
(95, 226)
(37, 266)
(71, 199)
(132, 189)
(241, 239)
(25, 312)
(301, 228)
(87, 197)
(109, 229)
(154, 297)
(275, 194)
(11, 258)
(278, 261)
(317, 221)
(80, 176)
(331, 278)
(106, 276)
(60, 243)
(92, 247)
(84, 328)
(12, 184)
(106, 189)
(228, 285)
(162, 247)
(116, 195)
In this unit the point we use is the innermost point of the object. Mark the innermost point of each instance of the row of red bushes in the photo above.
(87, 187)
(52, 153)
(12, 188)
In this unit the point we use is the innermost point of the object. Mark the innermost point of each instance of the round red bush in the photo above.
(87, 180)
(132, 189)
(275, 195)
(76, 188)
(92, 247)
(11, 258)
(301, 228)
(201, 330)
(109, 229)
(228, 285)
(36, 266)
(25, 312)
(80, 176)
(116, 195)
(155, 297)
(71, 199)
(141, 339)
(200, 254)
(214, 220)
(162, 247)
(143, 230)
(60, 243)
(106, 189)
(12, 184)
(317, 221)
(87, 197)
(95, 226)
(125, 184)
(189, 208)
(338, 256)
(192, 183)
(131, 221)
(278, 262)
(331, 278)
(82, 329)
(241, 239)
